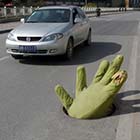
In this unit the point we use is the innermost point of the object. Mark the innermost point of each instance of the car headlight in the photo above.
(52, 37)
(11, 37)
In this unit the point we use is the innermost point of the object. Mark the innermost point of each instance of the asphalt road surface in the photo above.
(29, 108)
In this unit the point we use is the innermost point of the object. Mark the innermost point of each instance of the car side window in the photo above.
(75, 14)
(81, 13)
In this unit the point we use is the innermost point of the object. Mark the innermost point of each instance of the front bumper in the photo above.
(42, 48)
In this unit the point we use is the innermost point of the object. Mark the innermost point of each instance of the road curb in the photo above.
(10, 19)
(5, 31)
(108, 13)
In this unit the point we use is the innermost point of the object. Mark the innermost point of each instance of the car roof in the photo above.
(58, 7)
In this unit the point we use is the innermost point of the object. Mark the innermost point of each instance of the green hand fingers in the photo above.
(119, 78)
(117, 81)
(80, 80)
(64, 97)
(101, 71)
(113, 68)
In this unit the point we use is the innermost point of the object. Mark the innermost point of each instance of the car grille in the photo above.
(29, 39)
(38, 51)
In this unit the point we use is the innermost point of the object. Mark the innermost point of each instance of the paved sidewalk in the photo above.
(6, 27)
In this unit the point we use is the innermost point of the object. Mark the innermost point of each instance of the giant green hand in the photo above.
(96, 100)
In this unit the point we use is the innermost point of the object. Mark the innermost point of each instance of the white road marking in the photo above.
(125, 126)
(3, 58)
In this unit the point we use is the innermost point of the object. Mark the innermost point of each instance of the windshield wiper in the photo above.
(30, 21)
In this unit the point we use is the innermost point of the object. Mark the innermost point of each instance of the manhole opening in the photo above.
(65, 111)
(113, 110)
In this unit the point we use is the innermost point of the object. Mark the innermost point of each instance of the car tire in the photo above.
(17, 56)
(88, 40)
(69, 50)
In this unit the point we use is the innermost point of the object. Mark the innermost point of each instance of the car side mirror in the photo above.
(77, 20)
(22, 20)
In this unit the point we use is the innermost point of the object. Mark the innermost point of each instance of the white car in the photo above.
(51, 30)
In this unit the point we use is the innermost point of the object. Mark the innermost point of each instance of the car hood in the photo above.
(39, 29)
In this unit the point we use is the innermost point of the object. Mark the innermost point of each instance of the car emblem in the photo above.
(28, 39)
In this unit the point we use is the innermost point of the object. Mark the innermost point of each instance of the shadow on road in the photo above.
(82, 54)
(125, 103)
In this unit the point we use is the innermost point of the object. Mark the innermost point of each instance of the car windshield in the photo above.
(49, 15)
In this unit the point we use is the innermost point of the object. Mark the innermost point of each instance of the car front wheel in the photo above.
(88, 41)
(69, 50)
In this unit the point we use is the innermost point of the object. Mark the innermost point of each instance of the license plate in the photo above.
(27, 49)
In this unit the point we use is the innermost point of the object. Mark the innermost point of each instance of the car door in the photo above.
(84, 24)
(77, 29)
